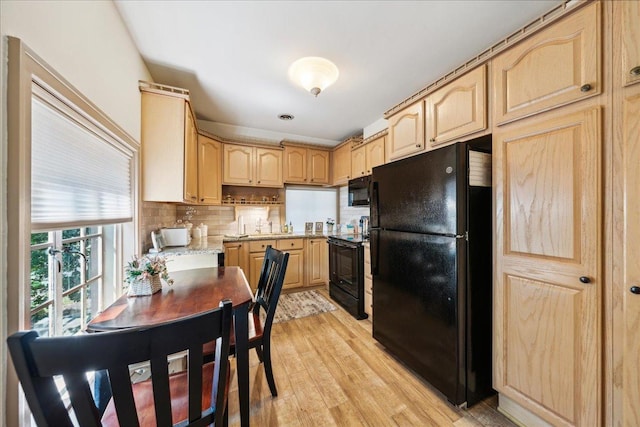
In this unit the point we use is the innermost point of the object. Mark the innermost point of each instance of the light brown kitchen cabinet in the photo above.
(341, 171)
(358, 162)
(457, 109)
(318, 166)
(237, 254)
(169, 148)
(406, 132)
(557, 66)
(190, 157)
(295, 165)
(209, 171)
(626, 202)
(548, 281)
(306, 165)
(317, 257)
(252, 166)
(368, 156)
(628, 22)
(294, 277)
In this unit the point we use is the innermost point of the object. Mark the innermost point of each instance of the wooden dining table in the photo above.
(194, 291)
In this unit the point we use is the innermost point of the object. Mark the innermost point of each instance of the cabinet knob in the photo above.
(635, 71)
(585, 88)
(259, 182)
(585, 279)
(432, 140)
(418, 145)
(635, 290)
(249, 180)
(202, 200)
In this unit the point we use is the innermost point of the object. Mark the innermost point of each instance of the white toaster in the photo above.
(176, 236)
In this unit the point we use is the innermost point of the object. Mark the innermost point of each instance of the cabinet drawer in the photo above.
(260, 245)
(289, 244)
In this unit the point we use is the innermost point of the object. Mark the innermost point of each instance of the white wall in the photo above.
(85, 42)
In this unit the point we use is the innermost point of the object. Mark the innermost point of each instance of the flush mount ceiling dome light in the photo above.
(313, 73)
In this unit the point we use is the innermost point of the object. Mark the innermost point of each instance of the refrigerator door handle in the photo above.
(375, 209)
(373, 247)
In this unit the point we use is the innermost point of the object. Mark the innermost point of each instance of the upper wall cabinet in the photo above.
(368, 156)
(629, 22)
(458, 109)
(341, 165)
(209, 171)
(557, 66)
(306, 165)
(406, 132)
(169, 147)
(252, 166)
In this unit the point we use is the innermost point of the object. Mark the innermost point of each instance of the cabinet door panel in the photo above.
(358, 162)
(237, 164)
(547, 355)
(375, 154)
(406, 132)
(318, 261)
(551, 68)
(630, 343)
(318, 166)
(209, 170)
(294, 277)
(268, 167)
(457, 109)
(630, 27)
(341, 165)
(255, 267)
(190, 157)
(295, 164)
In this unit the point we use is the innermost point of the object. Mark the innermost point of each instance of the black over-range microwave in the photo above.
(359, 191)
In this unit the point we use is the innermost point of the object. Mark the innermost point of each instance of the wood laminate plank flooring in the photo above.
(331, 372)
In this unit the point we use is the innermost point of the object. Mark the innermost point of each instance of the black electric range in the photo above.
(346, 272)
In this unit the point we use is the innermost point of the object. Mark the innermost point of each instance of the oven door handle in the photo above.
(342, 245)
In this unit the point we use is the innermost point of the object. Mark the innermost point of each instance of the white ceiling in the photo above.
(233, 56)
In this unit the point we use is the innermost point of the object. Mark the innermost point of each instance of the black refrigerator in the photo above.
(432, 266)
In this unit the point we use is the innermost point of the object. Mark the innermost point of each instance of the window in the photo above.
(67, 277)
(306, 204)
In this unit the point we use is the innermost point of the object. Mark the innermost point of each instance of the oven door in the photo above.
(344, 266)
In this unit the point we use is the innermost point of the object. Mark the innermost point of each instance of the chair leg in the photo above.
(259, 352)
(268, 370)
(225, 418)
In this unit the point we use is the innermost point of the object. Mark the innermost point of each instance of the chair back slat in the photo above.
(38, 359)
(161, 391)
(195, 384)
(120, 381)
(81, 398)
(270, 284)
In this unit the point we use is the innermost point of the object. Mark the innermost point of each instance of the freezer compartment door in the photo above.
(422, 194)
(417, 305)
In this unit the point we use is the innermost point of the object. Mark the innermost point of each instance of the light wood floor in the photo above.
(330, 372)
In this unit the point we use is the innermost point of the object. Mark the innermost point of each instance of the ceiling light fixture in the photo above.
(313, 73)
(285, 116)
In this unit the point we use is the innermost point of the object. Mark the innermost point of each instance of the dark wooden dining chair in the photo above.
(195, 397)
(267, 295)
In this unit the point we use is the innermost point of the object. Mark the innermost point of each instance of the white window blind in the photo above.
(80, 173)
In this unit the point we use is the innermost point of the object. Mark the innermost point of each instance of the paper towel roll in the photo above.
(240, 224)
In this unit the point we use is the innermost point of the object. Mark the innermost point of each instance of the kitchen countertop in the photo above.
(210, 245)
(274, 236)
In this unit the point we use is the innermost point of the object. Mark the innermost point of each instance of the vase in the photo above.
(329, 228)
(145, 286)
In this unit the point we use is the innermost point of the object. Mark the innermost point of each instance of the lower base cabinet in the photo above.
(294, 278)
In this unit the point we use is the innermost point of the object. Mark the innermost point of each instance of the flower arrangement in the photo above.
(143, 275)
(330, 221)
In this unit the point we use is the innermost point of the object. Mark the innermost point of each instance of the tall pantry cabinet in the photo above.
(626, 216)
(548, 281)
